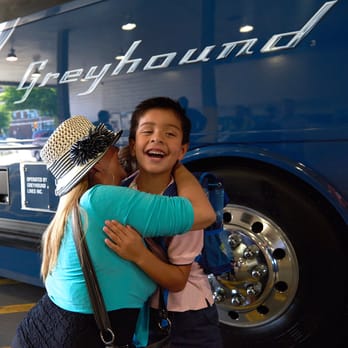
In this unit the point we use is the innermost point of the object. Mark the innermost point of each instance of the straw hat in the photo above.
(74, 148)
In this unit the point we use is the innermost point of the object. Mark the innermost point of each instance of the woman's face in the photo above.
(108, 171)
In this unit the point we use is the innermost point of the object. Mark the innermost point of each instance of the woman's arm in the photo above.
(151, 215)
(128, 244)
(189, 187)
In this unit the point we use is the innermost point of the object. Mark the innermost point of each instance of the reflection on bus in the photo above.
(27, 124)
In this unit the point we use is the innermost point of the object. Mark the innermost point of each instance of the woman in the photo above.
(85, 164)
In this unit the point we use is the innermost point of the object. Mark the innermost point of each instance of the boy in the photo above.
(158, 140)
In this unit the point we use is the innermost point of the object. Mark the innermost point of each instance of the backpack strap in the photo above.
(171, 190)
(128, 180)
(163, 242)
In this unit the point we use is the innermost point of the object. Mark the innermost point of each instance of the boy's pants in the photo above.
(191, 329)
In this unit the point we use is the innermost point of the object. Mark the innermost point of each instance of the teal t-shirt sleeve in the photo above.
(151, 215)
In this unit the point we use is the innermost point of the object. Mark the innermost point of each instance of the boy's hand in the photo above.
(124, 240)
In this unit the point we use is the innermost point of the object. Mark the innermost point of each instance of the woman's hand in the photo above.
(124, 240)
(128, 244)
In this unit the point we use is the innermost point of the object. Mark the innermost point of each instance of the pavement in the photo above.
(16, 299)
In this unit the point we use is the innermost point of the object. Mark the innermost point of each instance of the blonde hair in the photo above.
(54, 233)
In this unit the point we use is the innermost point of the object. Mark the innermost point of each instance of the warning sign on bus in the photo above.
(37, 187)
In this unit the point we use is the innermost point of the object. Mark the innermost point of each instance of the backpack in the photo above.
(216, 256)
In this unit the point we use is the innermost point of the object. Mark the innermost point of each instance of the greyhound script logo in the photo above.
(131, 63)
(5, 34)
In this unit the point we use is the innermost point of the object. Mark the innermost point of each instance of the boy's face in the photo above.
(158, 141)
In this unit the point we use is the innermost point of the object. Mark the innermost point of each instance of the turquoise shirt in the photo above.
(122, 283)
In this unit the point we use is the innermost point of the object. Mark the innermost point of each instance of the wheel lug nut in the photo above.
(234, 240)
(237, 299)
(251, 290)
(219, 295)
(251, 251)
(259, 271)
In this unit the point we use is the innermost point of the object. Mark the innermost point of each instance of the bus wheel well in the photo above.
(222, 165)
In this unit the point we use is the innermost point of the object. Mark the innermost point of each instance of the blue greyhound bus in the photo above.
(265, 86)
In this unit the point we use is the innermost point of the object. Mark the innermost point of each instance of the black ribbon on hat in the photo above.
(91, 146)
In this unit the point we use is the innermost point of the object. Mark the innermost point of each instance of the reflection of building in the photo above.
(25, 122)
(198, 120)
(121, 121)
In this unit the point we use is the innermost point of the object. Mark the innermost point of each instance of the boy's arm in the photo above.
(128, 244)
(189, 187)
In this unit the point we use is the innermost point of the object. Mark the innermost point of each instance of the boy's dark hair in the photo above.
(161, 103)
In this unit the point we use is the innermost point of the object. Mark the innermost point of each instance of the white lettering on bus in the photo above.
(164, 60)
